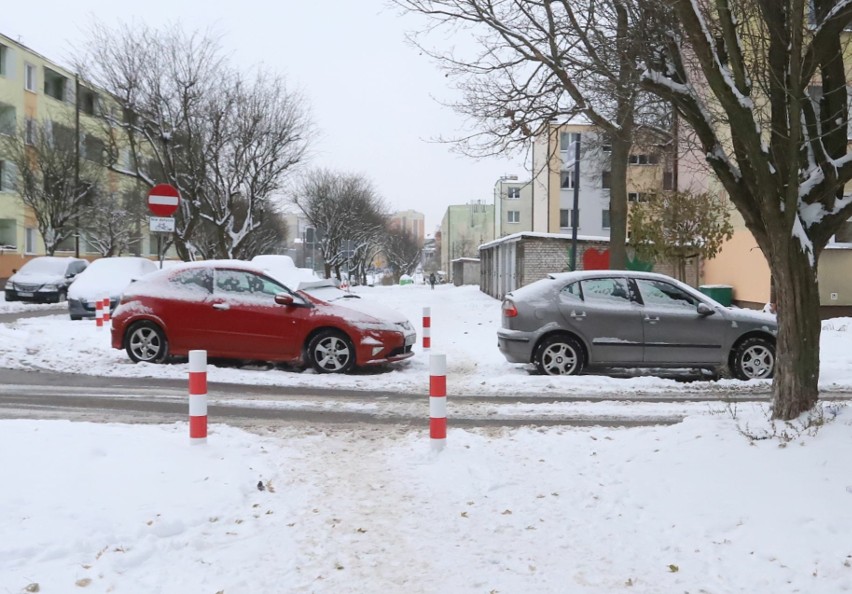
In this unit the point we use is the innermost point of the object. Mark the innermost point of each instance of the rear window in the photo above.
(195, 279)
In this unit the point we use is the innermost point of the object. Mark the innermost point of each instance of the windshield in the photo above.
(45, 266)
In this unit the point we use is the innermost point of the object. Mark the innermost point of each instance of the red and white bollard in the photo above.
(197, 397)
(438, 401)
(99, 313)
(427, 328)
(106, 309)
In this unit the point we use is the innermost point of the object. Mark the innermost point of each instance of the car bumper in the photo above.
(87, 309)
(34, 296)
(389, 350)
(516, 346)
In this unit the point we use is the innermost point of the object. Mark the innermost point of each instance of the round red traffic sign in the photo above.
(163, 200)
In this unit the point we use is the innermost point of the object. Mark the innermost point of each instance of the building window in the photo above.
(93, 149)
(30, 131)
(567, 140)
(8, 233)
(605, 219)
(606, 180)
(29, 246)
(513, 216)
(55, 85)
(514, 193)
(637, 197)
(567, 182)
(88, 102)
(7, 176)
(566, 219)
(644, 159)
(30, 77)
(4, 54)
(8, 122)
(668, 180)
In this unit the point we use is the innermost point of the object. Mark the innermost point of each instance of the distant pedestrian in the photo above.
(432, 281)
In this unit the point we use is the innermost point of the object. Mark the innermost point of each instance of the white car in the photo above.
(106, 277)
(284, 270)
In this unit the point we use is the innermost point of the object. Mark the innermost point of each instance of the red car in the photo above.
(233, 310)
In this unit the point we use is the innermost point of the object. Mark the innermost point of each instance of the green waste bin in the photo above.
(722, 293)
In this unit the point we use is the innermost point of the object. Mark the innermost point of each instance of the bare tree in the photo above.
(45, 158)
(739, 72)
(111, 224)
(402, 252)
(679, 226)
(543, 60)
(344, 209)
(187, 118)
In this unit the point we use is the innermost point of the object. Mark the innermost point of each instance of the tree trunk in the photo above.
(795, 386)
(618, 204)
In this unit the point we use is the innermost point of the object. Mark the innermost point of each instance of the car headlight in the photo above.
(11, 286)
(50, 287)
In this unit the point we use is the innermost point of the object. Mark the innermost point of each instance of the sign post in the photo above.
(163, 201)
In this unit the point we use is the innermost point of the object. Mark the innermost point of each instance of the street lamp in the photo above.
(498, 200)
(575, 213)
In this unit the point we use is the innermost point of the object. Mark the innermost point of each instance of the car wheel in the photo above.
(754, 358)
(559, 355)
(331, 351)
(145, 342)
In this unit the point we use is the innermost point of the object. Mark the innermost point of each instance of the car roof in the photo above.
(223, 263)
(583, 274)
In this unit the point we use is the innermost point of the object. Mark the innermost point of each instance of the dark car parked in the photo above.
(44, 279)
(570, 321)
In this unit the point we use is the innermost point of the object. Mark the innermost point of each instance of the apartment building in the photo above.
(38, 95)
(464, 228)
(512, 206)
(571, 160)
(411, 222)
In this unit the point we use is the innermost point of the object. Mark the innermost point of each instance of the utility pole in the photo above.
(575, 213)
(76, 164)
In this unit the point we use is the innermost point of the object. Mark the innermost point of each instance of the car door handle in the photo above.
(222, 306)
(574, 314)
(652, 320)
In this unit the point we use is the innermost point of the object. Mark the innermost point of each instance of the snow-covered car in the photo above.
(283, 269)
(106, 277)
(234, 310)
(44, 279)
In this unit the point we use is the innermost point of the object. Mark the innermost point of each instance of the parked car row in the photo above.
(270, 310)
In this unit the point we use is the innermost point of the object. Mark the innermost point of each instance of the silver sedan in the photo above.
(608, 318)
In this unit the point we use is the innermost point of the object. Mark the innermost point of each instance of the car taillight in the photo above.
(509, 309)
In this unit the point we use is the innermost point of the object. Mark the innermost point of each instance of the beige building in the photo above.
(560, 174)
(512, 206)
(36, 93)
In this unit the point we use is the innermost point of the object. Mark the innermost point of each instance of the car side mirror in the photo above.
(705, 310)
(284, 299)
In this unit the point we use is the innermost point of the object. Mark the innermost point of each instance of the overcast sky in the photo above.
(373, 98)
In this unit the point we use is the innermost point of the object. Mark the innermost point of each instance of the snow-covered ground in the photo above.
(693, 507)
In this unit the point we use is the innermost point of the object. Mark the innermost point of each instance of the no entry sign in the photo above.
(163, 200)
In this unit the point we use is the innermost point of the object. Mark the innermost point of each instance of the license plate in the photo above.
(24, 294)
